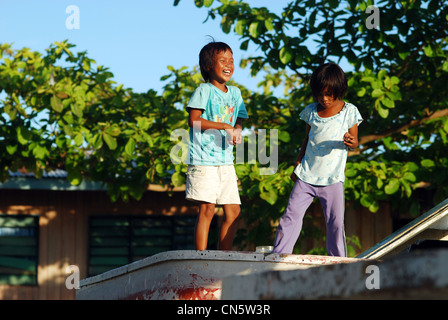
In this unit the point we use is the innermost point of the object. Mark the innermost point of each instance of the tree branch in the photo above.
(413, 123)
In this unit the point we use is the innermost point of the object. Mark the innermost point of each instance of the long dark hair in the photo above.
(329, 76)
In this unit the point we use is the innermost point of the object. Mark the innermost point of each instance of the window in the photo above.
(19, 238)
(119, 240)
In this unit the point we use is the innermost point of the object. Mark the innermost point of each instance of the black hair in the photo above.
(207, 56)
(329, 76)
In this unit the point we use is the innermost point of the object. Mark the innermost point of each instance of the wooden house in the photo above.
(47, 225)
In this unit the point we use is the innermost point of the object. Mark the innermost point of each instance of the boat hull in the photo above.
(189, 274)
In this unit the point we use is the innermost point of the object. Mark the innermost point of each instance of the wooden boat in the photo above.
(189, 274)
(202, 275)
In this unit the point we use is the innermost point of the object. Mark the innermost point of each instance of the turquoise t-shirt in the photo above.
(211, 147)
(326, 154)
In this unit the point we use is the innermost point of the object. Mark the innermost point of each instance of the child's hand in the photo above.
(238, 137)
(350, 141)
(235, 136)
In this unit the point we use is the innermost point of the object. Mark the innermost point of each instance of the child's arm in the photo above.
(195, 120)
(303, 146)
(301, 152)
(351, 137)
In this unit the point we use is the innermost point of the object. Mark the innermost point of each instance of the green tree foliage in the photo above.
(62, 110)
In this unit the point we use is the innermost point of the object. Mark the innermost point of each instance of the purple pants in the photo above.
(333, 204)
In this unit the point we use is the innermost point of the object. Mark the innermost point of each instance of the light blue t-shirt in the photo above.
(211, 147)
(326, 154)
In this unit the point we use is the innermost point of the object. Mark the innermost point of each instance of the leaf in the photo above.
(428, 51)
(361, 92)
(427, 163)
(395, 80)
(409, 176)
(392, 186)
(199, 3)
(130, 147)
(379, 183)
(411, 166)
(226, 24)
(97, 141)
(244, 45)
(269, 25)
(445, 66)
(178, 179)
(160, 168)
(110, 141)
(241, 170)
(114, 130)
(407, 188)
(403, 55)
(285, 55)
(445, 125)
(284, 136)
(40, 152)
(298, 60)
(366, 200)
(78, 139)
(23, 135)
(374, 206)
(377, 92)
(56, 104)
(388, 103)
(240, 27)
(11, 149)
(270, 196)
(74, 177)
(77, 108)
(394, 95)
(384, 113)
(382, 73)
(350, 173)
(368, 79)
(86, 65)
(255, 29)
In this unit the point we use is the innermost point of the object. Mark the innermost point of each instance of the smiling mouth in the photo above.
(227, 72)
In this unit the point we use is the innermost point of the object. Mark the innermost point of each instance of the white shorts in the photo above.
(212, 184)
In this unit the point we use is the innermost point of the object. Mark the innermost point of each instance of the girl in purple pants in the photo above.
(331, 128)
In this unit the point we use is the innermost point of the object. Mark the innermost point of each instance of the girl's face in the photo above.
(326, 99)
(223, 68)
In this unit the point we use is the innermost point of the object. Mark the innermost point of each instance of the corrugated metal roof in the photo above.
(55, 174)
(55, 180)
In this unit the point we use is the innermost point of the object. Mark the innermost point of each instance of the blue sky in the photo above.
(135, 39)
